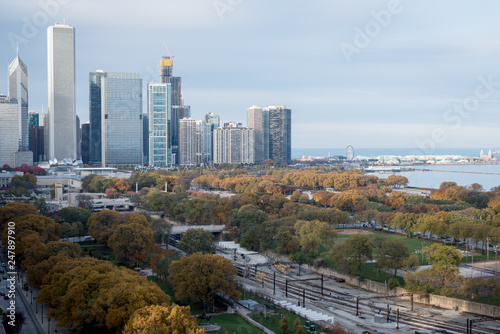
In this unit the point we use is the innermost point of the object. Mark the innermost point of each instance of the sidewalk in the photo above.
(243, 313)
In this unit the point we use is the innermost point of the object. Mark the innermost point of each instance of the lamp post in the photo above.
(423, 242)
(472, 248)
(495, 249)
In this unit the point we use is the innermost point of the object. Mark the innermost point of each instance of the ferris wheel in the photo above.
(349, 153)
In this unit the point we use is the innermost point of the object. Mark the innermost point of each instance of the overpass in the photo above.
(211, 228)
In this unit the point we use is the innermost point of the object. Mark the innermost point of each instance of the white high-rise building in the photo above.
(9, 132)
(187, 141)
(258, 119)
(61, 88)
(234, 144)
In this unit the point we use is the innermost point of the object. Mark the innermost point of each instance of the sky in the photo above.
(392, 74)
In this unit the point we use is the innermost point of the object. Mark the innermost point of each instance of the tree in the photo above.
(296, 325)
(161, 229)
(445, 257)
(75, 214)
(392, 255)
(353, 253)
(200, 277)
(161, 268)
(102, 225)
(15, 209)
(314, 234)
(284, 324)
(156, 319)
(128, 240)
(197, 240)
(42, 207)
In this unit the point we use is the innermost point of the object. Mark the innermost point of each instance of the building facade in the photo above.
(159, 119)
(9, 132)
(37, 143)
(18, 94)
(280, 134)
(258, 119)
(95, 143)
(234, 144)
(61, 91)
(121, 119)
(85, 144)
(187, 142)
(203, 143)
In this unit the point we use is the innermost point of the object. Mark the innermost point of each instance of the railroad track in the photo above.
(335, 299)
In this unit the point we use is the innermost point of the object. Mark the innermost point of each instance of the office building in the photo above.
(33, 120)
(213, 120)
(78, 139)
(121, 119)
(18, 94)
(95, 143)
(37, 143)
(9, 132)
(145, 138)
(187, 141)
(280, 134)
(45, 124)
(159, 119)
(234, 144)
(258, 119)
(85, 144)
(61, 91)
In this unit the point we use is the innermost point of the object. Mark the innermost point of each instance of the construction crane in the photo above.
(166, 47)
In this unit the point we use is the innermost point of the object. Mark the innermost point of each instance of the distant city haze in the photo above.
(363, 73)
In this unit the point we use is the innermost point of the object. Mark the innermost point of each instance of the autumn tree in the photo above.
(128, 240)
(284, 324)
(197, 240)
(75, 214)
(102, 225)
(392, 255)
(200, 277)
(14, 209)
(156, 319)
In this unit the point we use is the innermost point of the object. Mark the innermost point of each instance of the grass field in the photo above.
(233, 323)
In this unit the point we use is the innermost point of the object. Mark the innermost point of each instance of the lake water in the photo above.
(463, 175)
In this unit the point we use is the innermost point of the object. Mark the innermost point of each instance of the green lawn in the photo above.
(233, 323)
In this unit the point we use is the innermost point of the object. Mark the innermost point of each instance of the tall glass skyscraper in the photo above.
(258, 119)
(18, 93)
(61, 85)
(121, 119)
(187, 141)
(178, 109)
(95, 144)
(159, 117)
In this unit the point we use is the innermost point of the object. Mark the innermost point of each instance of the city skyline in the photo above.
(396, 85)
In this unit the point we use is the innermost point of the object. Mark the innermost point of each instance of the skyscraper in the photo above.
(213, 121)
(280, 134)
(203, 144)
(18, 93)
(37, 143)
(178, 110)
(95, 143)
(187, 141)
(85, 146)
(159, 113)
(33, 120)
(258, 119)
(234, 144)
(9, 132)
(45, 124)
(121, 119)
(61, 88)
(145, 138)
